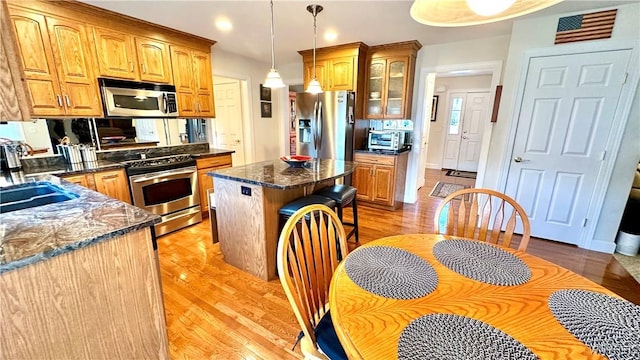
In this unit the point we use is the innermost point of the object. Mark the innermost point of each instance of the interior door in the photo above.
(564, 122)
(476, 114)
(229, 133)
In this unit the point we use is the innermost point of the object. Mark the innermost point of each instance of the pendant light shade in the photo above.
(314, 85)
(273, 79)
(450, 13)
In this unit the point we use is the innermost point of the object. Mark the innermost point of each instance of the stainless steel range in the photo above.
(166, 186)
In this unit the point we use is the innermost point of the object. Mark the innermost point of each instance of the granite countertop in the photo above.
(39, 233)
(212, 153)
(277, 174)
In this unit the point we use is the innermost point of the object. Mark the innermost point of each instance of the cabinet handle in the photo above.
(131, 65)
(67, 100)
(59, 100)
(144, 68)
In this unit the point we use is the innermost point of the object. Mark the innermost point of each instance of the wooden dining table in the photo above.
(369, 326)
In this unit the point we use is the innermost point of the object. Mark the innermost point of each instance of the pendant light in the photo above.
(314, 85)
(273, 79)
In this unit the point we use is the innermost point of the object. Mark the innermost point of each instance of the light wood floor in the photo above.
(215, 311)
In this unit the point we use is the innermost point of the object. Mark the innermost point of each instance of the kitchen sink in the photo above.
(32, 195)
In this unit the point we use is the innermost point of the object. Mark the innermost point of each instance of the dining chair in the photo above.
(311, 245)
(481, 214)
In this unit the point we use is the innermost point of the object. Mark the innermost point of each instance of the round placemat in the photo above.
(391, 272)
(455, 337)
(482, 262)
(608, 325)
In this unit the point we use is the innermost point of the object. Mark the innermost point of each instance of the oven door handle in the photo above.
(181, 214)
(163, 174)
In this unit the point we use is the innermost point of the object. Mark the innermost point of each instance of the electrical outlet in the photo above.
(245, 190)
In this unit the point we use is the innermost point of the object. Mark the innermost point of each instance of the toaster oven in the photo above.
(386, 140)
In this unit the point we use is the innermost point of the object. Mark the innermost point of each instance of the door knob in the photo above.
(465, 137)
(518, 159)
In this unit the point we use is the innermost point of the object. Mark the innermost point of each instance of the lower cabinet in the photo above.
(380, 179)
(205, 181)
(112, 183)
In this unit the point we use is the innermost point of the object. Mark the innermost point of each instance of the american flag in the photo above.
(583, 27)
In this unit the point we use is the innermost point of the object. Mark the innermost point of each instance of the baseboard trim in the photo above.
(601, 246)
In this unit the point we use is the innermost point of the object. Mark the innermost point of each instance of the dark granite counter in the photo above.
(277, 174)
(36, 234)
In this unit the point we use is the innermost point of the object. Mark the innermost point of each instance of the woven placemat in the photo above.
(391, 272)
(455, 337)
(482, 262)
(608, 325)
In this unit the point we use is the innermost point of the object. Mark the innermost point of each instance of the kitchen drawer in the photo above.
(215, 161)
(375, 159)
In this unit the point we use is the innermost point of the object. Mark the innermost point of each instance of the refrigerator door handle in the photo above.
(319, 127)
(315, 125)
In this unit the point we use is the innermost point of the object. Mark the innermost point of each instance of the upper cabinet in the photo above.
(116, 54)
(193, 81)
(14, 103)
(389, 80)
(153, 58)
(57, 65)
(339, 67)
(62, 57)
(336, 66)
(126, 56)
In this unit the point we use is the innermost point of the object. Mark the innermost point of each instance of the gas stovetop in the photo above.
(163, 163)
(163, 160)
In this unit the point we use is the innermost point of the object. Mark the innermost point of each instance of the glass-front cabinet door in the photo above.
(386, 92)
(395, 88)
(377, 71)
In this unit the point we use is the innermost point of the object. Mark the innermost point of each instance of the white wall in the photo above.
(266, 134)
(437, 128)
(539, 33)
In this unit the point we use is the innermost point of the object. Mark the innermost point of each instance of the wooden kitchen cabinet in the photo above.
(337, 67)
(153, 60)
(14, 103)
(380, 179)
(205, 181)
(193, 81)
(57, 65)
(116, 54)
(389, 80)
(113, 183)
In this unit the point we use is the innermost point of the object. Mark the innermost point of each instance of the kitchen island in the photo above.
(79, 278)
(248, 199)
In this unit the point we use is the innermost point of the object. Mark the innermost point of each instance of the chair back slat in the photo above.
(310, 247)
(481, 215)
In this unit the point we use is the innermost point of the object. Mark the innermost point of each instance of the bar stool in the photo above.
(290, 208)
(343, 196)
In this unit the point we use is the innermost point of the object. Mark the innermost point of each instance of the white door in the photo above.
(564, 122)
(229, 133)
(467, 114)
(476, 113)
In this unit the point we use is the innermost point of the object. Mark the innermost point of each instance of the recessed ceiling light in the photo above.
(224, 24)
(330, 35)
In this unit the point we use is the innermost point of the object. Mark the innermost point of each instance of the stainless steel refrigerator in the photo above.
(324, 125)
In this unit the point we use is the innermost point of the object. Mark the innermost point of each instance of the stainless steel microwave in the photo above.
(132, 99)
(386, 140)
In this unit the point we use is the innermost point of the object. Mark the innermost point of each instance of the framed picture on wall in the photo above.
(265, 109)
(265, 93)
(434, 107)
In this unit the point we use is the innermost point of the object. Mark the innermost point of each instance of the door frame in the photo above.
(247, 124)
(614, 138)
(448, 109)
(425, 90)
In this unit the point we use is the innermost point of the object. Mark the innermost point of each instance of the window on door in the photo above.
(454, 118)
